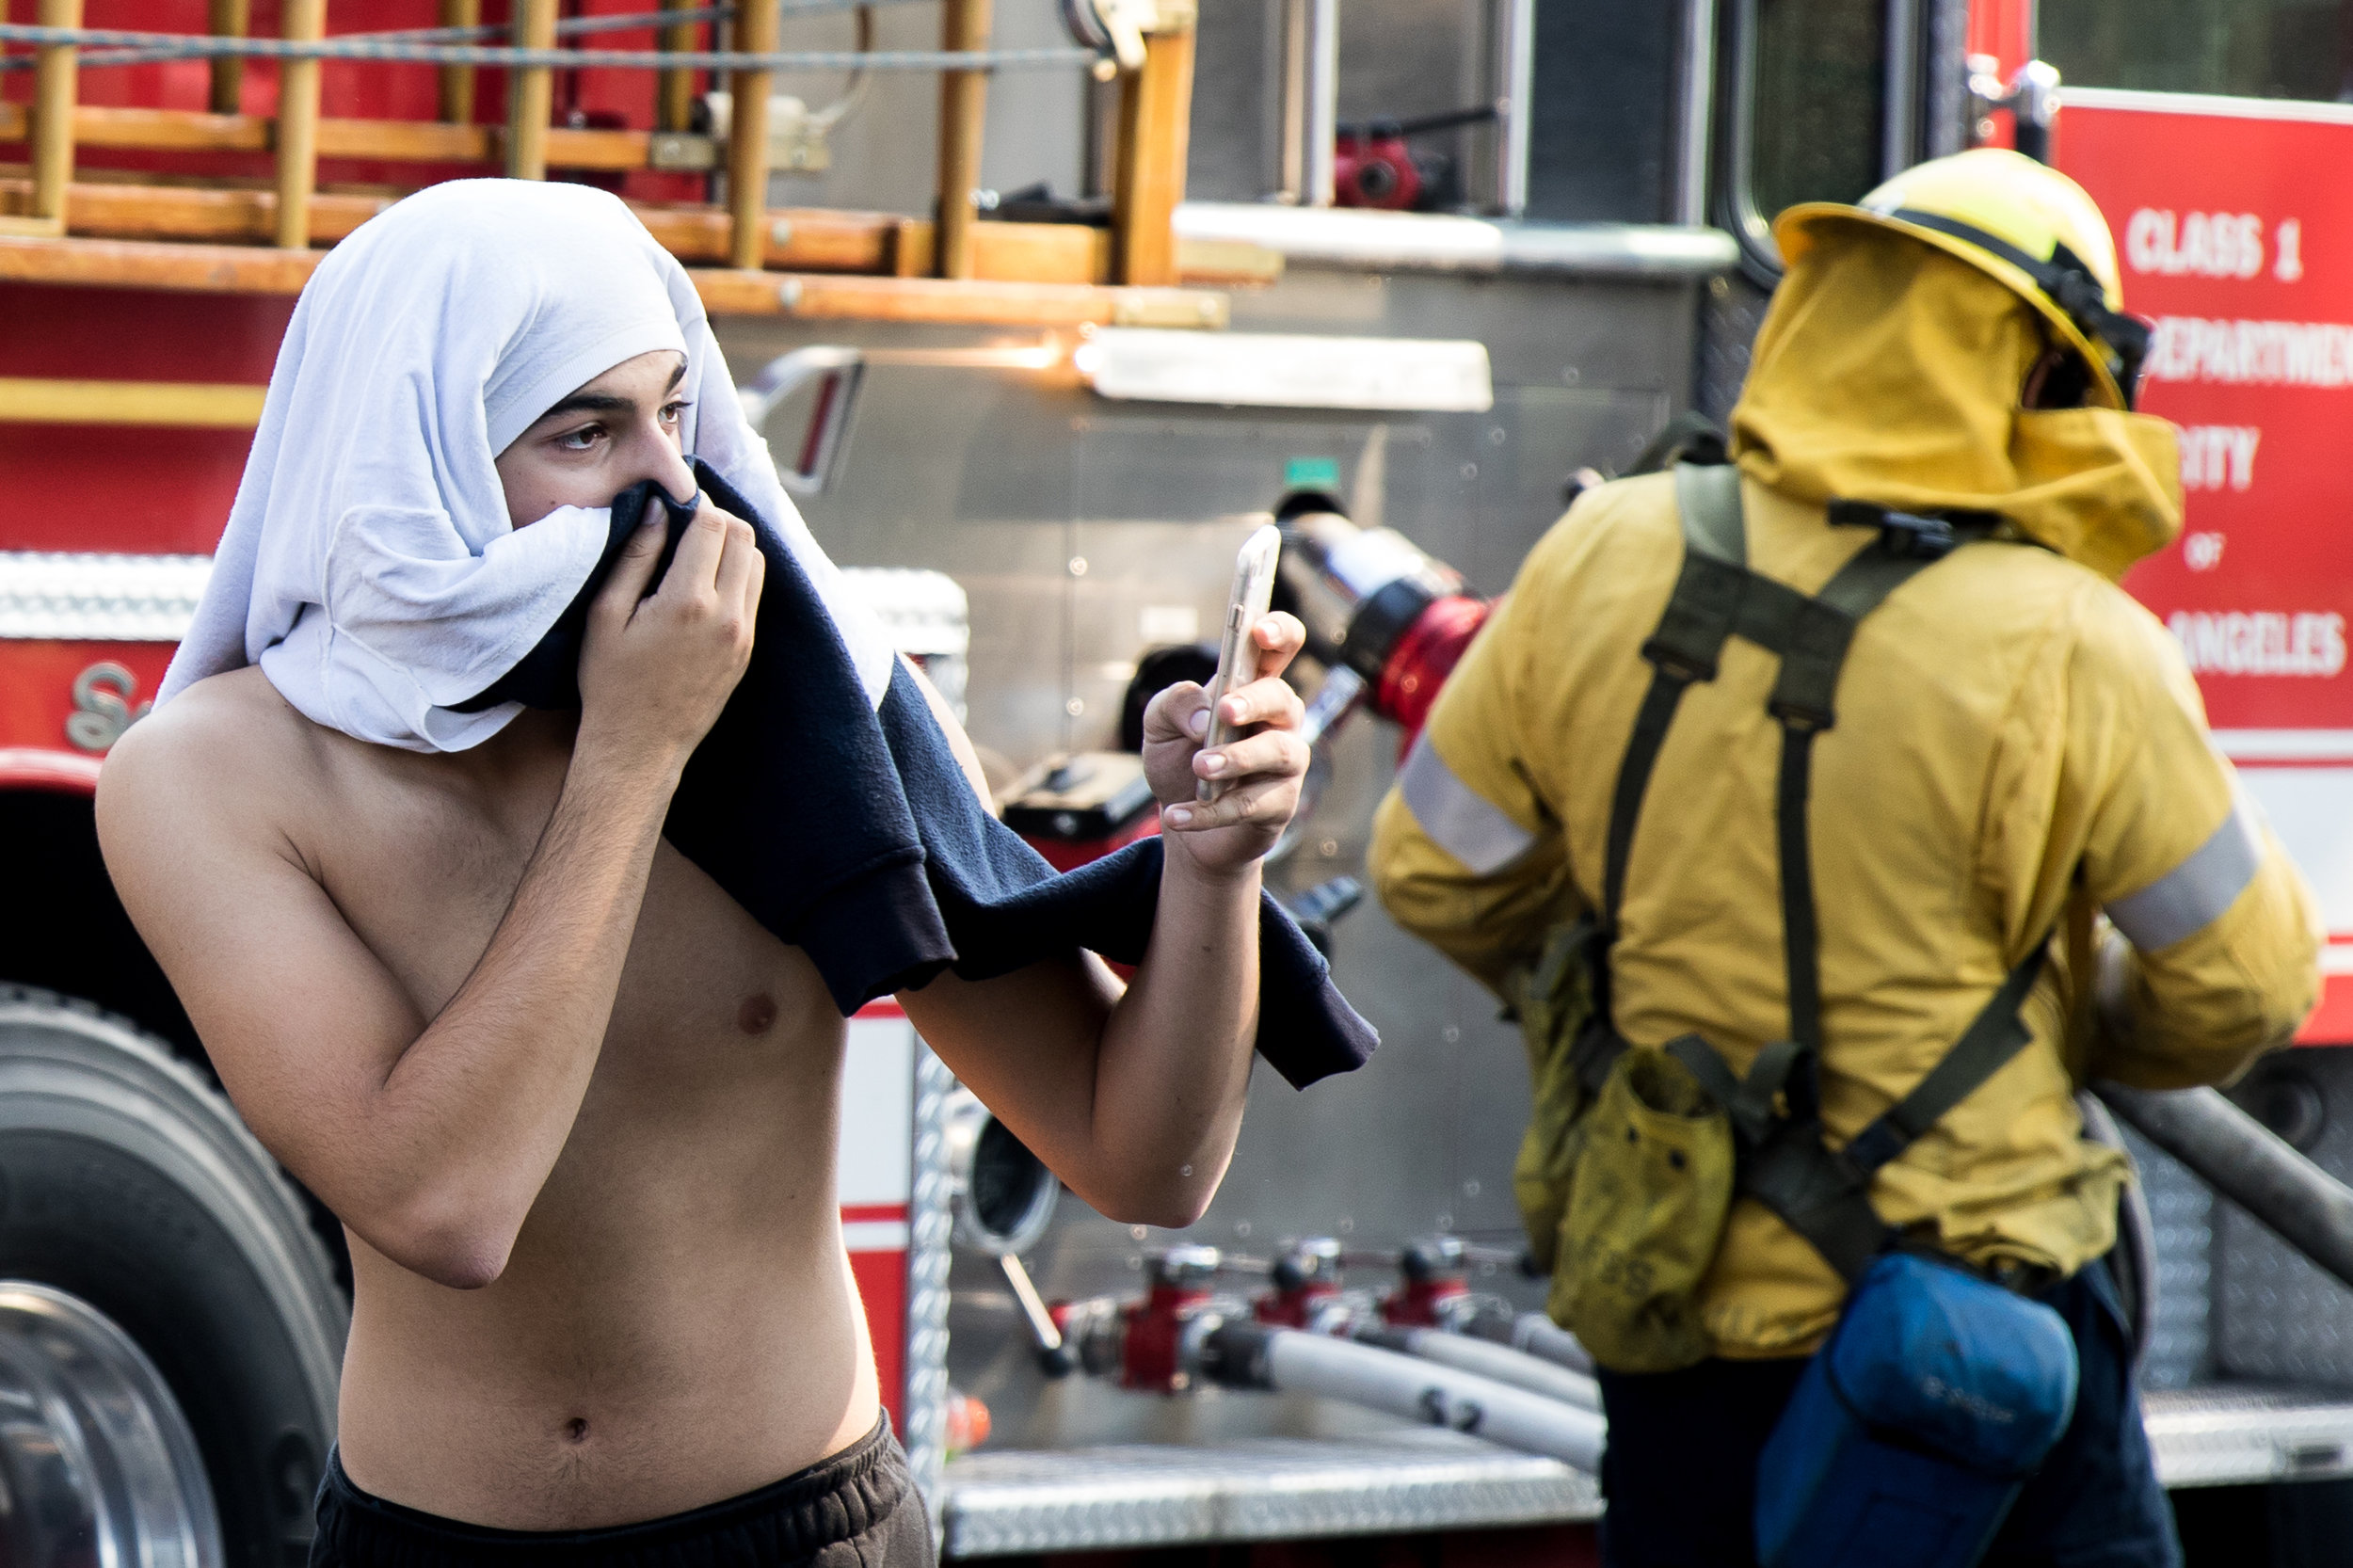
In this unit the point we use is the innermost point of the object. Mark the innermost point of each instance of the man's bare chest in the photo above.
(711, 1011)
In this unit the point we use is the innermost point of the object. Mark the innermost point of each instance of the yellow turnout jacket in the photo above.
(2014, 733)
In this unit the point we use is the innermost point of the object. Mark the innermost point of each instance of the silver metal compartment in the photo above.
(1081, 531)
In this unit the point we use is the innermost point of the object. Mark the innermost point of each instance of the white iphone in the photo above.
(1237, 650)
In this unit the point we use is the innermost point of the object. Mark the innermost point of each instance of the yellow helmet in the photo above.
(2023, 223)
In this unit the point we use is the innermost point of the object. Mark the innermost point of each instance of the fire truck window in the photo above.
(1816, 101)
(2244, 48)
(1604, 107)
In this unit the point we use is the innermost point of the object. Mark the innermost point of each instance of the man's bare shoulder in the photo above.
(228, 750)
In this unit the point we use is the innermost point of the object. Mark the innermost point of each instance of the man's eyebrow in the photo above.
(605, 403)
(587, 402)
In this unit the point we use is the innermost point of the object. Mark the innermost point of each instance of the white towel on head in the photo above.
(369, 566)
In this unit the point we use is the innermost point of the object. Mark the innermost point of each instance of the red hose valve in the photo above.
(1154, 1350)
(1434, 1291)
(1307, 1288)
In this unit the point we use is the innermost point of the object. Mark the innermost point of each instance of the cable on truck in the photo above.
(159, 46)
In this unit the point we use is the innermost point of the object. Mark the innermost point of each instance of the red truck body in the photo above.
(2227, 239)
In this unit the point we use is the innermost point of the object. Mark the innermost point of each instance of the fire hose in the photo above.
(2247, 1163)
(1487, 1359)
(1308, 1336)
(1253, 1355)
(1534, 1334)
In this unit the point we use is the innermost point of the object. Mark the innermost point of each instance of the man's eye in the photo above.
(673, 413)
(581, 440)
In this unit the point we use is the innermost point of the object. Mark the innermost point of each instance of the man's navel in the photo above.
(758, 1014)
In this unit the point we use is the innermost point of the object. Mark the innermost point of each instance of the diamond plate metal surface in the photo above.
(74, 597)
(1254, 1489)
(2225, 1436)
(2182, 1210)
(1731, 311)
(2277, 1317)
(929, 1225)
(1277, 1488)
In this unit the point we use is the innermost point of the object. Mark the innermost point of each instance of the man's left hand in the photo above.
(1259, 769)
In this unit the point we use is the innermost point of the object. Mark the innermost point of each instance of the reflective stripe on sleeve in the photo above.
(1461, 821)
(2194, 894)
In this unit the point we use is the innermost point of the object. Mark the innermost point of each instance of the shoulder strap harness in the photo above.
(1819, 1192)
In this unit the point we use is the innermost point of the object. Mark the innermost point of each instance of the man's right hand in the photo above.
(655, 669)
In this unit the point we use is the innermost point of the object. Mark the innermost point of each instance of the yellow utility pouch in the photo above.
(1648, 1196)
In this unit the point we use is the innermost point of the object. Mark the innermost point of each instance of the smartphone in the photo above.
(1237, 651)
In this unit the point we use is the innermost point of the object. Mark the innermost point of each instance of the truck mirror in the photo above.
(833, 374)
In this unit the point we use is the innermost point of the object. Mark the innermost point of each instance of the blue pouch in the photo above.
(1911, 1431)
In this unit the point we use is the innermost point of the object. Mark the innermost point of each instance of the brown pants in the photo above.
(859, 1508)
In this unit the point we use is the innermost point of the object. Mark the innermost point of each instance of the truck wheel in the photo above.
(171, 1331)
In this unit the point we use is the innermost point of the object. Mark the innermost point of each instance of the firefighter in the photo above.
(1813, 769)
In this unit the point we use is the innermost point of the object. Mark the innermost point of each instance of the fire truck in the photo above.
(1044, 308)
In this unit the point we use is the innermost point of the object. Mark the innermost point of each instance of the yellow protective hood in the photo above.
(1889, 371)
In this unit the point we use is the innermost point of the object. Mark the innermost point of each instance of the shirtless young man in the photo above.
(577, 1110)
